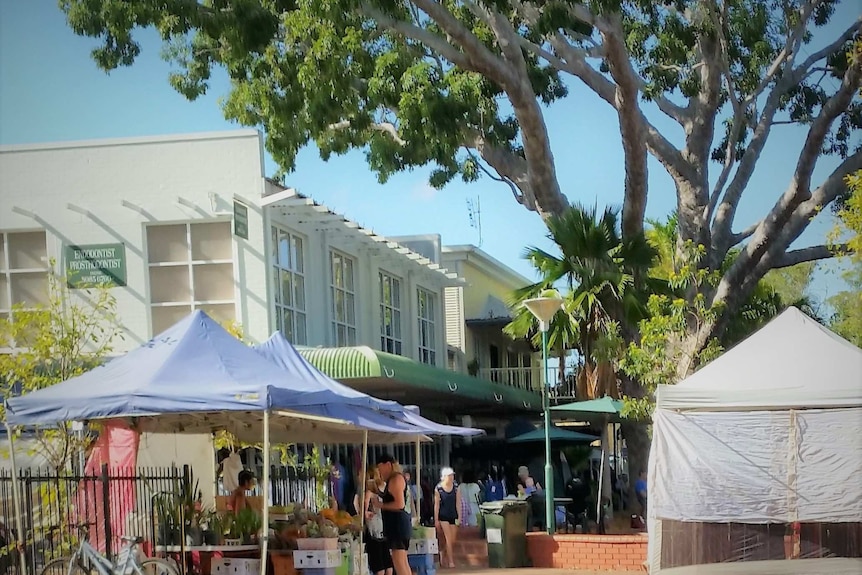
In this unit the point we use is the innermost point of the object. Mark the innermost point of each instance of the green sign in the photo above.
(99, 264)
(240, 220)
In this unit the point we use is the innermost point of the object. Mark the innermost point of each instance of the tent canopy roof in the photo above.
(557, 435)
(197, 378)
(792, 362)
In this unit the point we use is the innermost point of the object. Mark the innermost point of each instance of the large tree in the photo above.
(460, 85)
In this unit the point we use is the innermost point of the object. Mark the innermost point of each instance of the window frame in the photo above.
(348, 294)
(190, 265)
(391, 342)
(426, 340)
(298, 315)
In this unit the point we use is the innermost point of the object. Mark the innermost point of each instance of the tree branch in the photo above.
(385, 127)
(809, 254)
(408, 30)
(632, 127)
(507, 164)
(744, 234)
(765, 251)
(788, 53)
(721, 229)
(481, 58)
(519, 196)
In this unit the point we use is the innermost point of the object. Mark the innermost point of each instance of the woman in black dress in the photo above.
(397, 527)
(447, 512)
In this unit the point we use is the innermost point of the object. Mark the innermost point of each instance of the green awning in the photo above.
(365, 363)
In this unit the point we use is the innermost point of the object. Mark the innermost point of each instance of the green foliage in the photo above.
(664, 354)
(603, 273)
(319, 469)
(846, 320)
(300, 67)
(73, 333)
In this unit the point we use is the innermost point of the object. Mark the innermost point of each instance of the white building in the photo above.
(162, 211)
(180, 223)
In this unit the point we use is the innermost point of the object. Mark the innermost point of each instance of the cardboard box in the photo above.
(232, 566)
(303, 559)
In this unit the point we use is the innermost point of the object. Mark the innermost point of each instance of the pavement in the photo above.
(529, 571)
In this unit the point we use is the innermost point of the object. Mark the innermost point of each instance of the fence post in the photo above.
(106, 509)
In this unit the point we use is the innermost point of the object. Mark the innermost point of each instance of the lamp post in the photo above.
(544, 308)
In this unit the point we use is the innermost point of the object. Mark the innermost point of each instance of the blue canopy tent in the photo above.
(197, 378)
(281, 352)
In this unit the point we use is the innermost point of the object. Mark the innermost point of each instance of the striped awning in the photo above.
(365, 363)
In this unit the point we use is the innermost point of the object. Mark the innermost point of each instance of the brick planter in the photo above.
(595, 552)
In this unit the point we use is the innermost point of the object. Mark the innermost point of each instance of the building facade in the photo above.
(176, 224)
(476, 314)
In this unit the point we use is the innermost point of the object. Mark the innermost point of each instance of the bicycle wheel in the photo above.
(61, 566)
(159, 567)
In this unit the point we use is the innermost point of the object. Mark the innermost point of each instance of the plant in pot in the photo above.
(213, 527)
(189, 497)
(230, 529)
(247, 526)
(167, 519)
(473, 367)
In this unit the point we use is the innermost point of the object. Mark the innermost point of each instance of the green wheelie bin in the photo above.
(506, 532)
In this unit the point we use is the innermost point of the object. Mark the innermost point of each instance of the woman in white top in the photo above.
(470, 498)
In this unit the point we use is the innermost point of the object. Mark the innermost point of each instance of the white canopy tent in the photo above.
(770, 432)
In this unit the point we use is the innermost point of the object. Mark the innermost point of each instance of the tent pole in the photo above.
(361, 500)
(16, 502)
(264, 555)
(417, 481)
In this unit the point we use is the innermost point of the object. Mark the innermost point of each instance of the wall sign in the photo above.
(240, 220)
(96, 265)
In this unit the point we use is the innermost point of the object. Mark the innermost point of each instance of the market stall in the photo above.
(197, 378)
(758, 448)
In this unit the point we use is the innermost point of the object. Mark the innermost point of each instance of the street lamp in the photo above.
(544, 308)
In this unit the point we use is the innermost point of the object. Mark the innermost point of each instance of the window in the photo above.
(427, 346)
(288, 260)
(390, 314)
(191, 268)
(343, 294)
(23, 270)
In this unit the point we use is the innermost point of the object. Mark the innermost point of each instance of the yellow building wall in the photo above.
(479, 286)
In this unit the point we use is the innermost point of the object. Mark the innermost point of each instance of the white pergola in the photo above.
(300, 210)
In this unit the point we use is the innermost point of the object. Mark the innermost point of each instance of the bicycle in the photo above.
(86, 560)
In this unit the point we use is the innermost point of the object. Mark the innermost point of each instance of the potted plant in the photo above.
(473, 367)
(247, 525)
(213, 528)
(167, 519)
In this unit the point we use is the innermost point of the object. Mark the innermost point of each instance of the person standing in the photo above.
(447, 507)
(641, 492)
(397, 525)
(238, 500)
(379, 557)
(471, 494)
(413, 494)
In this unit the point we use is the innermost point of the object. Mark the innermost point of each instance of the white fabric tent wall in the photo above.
(770, 432)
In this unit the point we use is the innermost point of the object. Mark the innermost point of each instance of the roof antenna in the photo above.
(474, 212)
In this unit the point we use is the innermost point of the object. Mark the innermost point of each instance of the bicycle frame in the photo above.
(103, 565)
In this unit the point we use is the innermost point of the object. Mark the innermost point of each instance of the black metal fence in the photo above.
(56, 506)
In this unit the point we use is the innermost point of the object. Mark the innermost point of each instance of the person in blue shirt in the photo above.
(641, 491)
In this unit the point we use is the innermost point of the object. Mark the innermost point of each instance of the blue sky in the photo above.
(50, 90)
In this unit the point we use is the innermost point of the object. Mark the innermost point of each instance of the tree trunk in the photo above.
(637, 439)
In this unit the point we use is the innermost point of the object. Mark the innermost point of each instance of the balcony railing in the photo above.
(530, 378)
(519, 377)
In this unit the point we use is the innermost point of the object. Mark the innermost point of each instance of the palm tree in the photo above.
(606, 278)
